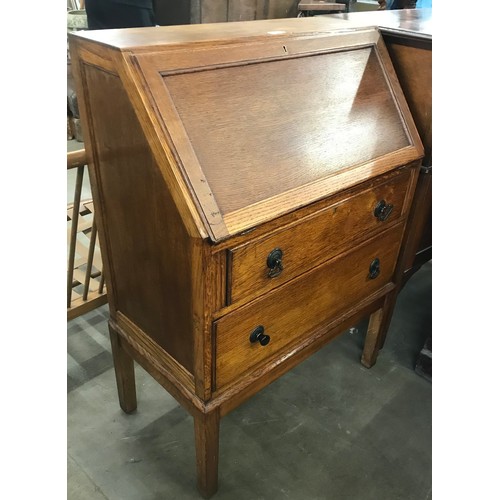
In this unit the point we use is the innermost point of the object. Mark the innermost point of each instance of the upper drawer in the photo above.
(260, 265)
(297, 309)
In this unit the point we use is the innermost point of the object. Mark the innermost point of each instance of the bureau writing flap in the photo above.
(259, 126)
(265, 128)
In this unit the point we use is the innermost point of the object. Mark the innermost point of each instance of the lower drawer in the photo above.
(288, 313)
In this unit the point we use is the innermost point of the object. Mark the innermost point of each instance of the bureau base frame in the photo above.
(207, 416)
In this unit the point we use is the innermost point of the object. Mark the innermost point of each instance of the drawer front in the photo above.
(262, 265)
(295, 310)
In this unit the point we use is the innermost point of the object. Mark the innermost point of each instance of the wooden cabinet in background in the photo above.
(410, 48)
(248, 206)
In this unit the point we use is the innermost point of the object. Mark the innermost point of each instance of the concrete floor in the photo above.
(329, 429)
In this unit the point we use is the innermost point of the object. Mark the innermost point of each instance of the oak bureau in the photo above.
(252, 184)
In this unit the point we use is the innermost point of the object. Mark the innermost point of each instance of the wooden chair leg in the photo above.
(124, 372)
(206, 431)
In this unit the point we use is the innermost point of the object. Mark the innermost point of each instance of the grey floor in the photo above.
(328, 429)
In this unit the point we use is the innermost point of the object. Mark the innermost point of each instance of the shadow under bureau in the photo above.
(252, 184)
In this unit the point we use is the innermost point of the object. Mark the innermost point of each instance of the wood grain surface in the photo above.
(211, 145)
(258, 133)
(301, 306)
(328, 232)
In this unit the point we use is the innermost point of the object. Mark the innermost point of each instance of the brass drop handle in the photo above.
(258, 335)
(383, 210)
(275, 263)
(374, 270)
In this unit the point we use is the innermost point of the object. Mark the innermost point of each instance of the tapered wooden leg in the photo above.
(206, 431)
(389, 306)
(124, 372)
(373, 339)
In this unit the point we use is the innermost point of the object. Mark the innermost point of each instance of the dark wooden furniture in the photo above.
(248, 206)
(410, 47)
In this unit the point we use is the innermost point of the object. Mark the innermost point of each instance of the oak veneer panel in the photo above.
(271, 130)
(149, 249)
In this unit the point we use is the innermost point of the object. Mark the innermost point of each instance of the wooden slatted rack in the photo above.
(85, 281)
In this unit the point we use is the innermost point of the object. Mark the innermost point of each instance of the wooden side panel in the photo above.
(412, 60)
(419, 236)
(150, 253)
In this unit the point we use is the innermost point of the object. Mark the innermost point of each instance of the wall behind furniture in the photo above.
(170, 12)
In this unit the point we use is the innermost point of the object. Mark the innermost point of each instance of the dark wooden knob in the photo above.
(258, 335)
(374, 270)
(383, 210)
(275, 263)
